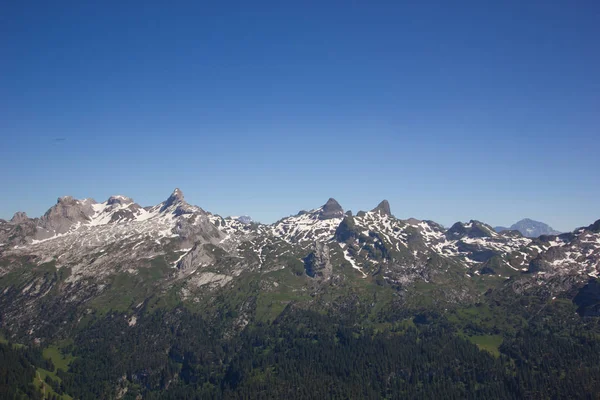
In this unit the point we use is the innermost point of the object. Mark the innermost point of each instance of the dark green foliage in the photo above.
(304, 354)
(506, 346)
(17, 373)
(588, 299)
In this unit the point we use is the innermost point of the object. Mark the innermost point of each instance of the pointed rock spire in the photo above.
(383, 208)
(177, 194)
(331, 209)
(175, 198)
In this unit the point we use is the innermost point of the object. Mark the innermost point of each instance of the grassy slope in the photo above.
(60, 361)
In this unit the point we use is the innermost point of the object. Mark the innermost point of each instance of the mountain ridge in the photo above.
(119, 271)
(364, 241)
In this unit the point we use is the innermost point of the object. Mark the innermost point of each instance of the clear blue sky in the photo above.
(450, 110)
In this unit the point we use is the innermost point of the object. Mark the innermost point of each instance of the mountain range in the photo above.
(85, 261)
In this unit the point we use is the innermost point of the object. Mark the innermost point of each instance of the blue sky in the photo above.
(450, 111)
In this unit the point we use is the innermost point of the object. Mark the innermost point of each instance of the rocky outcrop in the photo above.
(19, 218)
(64, 215)
(199, 256)
(318, 263)
(346, 230)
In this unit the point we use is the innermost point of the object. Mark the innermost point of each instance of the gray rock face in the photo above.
(19, 218)
(197, 227)
(383, 208)
(66, 213)
(331, 209)
(118, 200)
(318, 263)
(177, 205)
(197, 257)
(16, 231)
(175, 198)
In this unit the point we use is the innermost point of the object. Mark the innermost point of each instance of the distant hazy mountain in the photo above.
(529, 228)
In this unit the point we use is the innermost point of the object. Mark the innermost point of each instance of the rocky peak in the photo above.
(68, 207)
(178, 206)
(19, 217)
(331, 209)
(67, 212)
(472, 229)
(66, 200)
(118, 199)
(383, 208)
(175, 198)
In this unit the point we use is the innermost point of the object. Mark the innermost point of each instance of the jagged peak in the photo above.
(383, 208)
(70, 200)
(177, 194)
(119, 199)
(175, 198)
(177, 204)
(19, 217)
(332, 203)
(66, 200)
(331, 209)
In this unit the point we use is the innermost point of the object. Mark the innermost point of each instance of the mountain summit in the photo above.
(331, 209)
(383, 208)
(529, 228)
(174, 198)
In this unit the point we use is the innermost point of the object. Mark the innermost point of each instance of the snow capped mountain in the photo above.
(70, 230)
(315, 225)
(185, 247)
